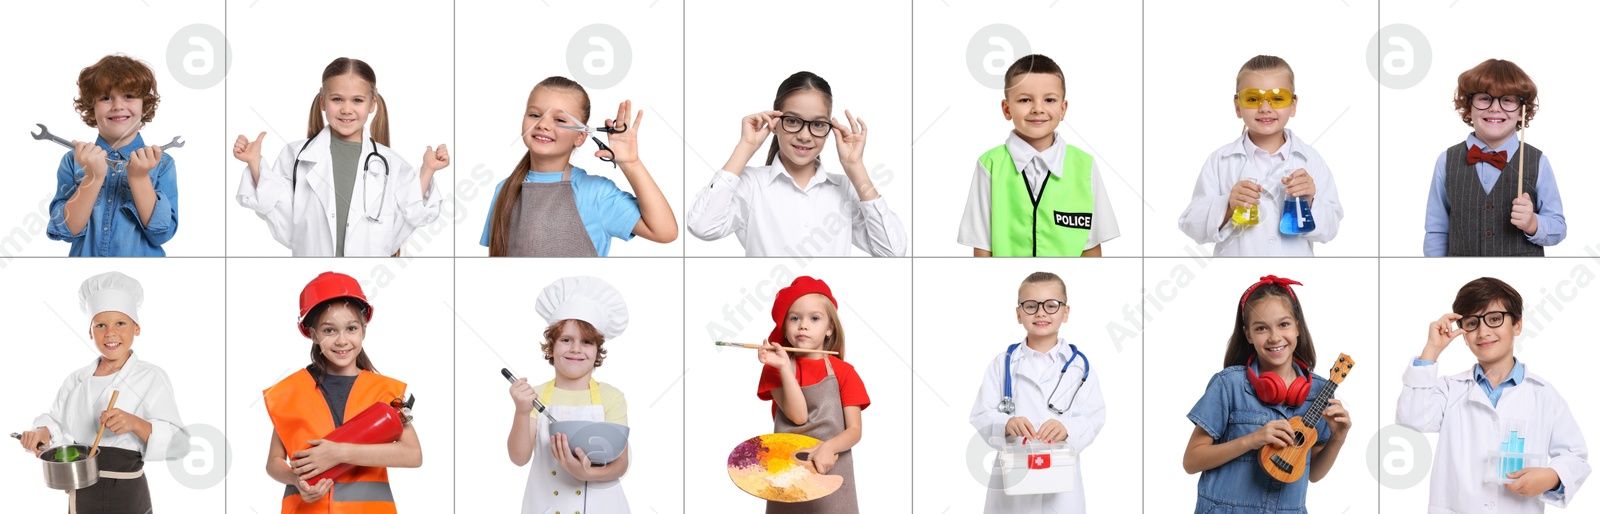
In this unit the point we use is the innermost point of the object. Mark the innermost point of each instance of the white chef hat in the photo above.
(111, 291)
(584, 298)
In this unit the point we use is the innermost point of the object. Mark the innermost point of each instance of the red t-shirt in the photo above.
(809, 372)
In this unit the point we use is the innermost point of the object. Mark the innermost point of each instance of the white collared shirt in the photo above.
(774, 216)
(1032, 164)
(143, 390)
(1241, 159)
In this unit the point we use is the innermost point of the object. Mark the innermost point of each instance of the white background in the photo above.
(948, 452)
(1193, 51)
(495, 84)
(52, 56)
(738, 52)
(180, 324)
(1563, 127)
(1190, 308)
(279, 51)
(408, 339)
(958, 118)
(1556, 343)
(492, 325)
(734, 296)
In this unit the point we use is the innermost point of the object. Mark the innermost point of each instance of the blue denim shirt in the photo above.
(1230, 410)
(114, 228)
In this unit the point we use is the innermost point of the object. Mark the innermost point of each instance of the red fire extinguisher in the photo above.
(380, 423)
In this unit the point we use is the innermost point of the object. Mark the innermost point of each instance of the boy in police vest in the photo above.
(1474, 204)
(1036, 195)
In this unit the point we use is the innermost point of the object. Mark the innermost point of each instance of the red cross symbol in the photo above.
(1039, 461)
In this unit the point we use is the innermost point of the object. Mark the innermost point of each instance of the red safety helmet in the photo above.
(329, 286)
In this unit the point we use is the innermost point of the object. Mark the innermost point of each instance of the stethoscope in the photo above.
(366, 164)
(1008, 406)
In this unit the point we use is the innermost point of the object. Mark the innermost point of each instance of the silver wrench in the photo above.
(44, 134)
(174, 144)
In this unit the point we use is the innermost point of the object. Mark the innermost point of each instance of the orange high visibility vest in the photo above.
(300, 414)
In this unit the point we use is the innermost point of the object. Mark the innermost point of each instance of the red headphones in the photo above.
(1269, 386)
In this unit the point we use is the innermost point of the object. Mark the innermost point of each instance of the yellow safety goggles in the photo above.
(1278, 98)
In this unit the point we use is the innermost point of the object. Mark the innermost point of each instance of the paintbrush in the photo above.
(537, 405)
(789, 349)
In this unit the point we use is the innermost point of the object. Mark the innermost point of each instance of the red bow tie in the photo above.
(1476, 155)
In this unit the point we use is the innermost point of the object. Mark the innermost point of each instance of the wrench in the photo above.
(174, 144)
(44, 134)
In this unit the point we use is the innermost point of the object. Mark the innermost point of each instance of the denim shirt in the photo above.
(114, 227)
(1230, 410)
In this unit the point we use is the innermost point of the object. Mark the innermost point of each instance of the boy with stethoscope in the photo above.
(342, 191)
(1041, 389)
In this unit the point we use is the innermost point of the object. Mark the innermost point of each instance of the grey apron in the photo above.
(824, 420)
(546, 222)
(112, 495)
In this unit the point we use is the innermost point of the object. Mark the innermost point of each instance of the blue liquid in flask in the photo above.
(1296, 217)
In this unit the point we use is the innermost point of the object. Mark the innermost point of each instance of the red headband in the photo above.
(1270, 279)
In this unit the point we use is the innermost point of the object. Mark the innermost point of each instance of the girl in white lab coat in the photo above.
(1258, 171)
(144, 425)
(1054, 396)
(583, 313)
(342, 191)
(1266, 380)
(1495, 404)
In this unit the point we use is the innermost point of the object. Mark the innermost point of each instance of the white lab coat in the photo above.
(1470, 428)
(1202, 219)
(302, 215)
(1035, 374)
(144, 391)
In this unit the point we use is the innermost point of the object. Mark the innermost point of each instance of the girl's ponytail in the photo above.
(380, 119)
(506, 202)
(315, 124)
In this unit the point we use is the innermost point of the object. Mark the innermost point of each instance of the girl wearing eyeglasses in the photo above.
(551, 208)
(342, 190)
(1265, 381)
(1496, 98)
(1053, 396)
(1267, 193)
(795, 207)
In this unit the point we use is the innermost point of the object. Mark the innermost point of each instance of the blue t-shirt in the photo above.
(114, 228)
(1230, 410)
(607, 211)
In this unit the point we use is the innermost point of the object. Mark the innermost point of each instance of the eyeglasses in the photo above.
(1050, 306)
(1482, 101)
(1492, 319)
(1278, 98)
(819, 128)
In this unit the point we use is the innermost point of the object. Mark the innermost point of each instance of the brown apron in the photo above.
(546, 222)
(824, 420)
(111, 495)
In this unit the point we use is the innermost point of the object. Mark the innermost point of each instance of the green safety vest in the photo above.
(1057, 225)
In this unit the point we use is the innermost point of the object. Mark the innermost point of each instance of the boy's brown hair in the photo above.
(1497, 77)
(115, 72)
(1034, 63)
(1478, 294)
(586, 331)
(1045, 277)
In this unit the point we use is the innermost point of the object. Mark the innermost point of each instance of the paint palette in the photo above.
(770, 467)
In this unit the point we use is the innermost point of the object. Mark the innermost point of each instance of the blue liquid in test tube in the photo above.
(1296, 217)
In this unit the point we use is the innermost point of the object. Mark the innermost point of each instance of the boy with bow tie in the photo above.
(1476, 205)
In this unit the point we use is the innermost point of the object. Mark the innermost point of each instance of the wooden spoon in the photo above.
(96, 448)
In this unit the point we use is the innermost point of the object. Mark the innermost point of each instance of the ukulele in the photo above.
(1287, 463)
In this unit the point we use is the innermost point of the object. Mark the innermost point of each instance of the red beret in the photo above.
(780, 307)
